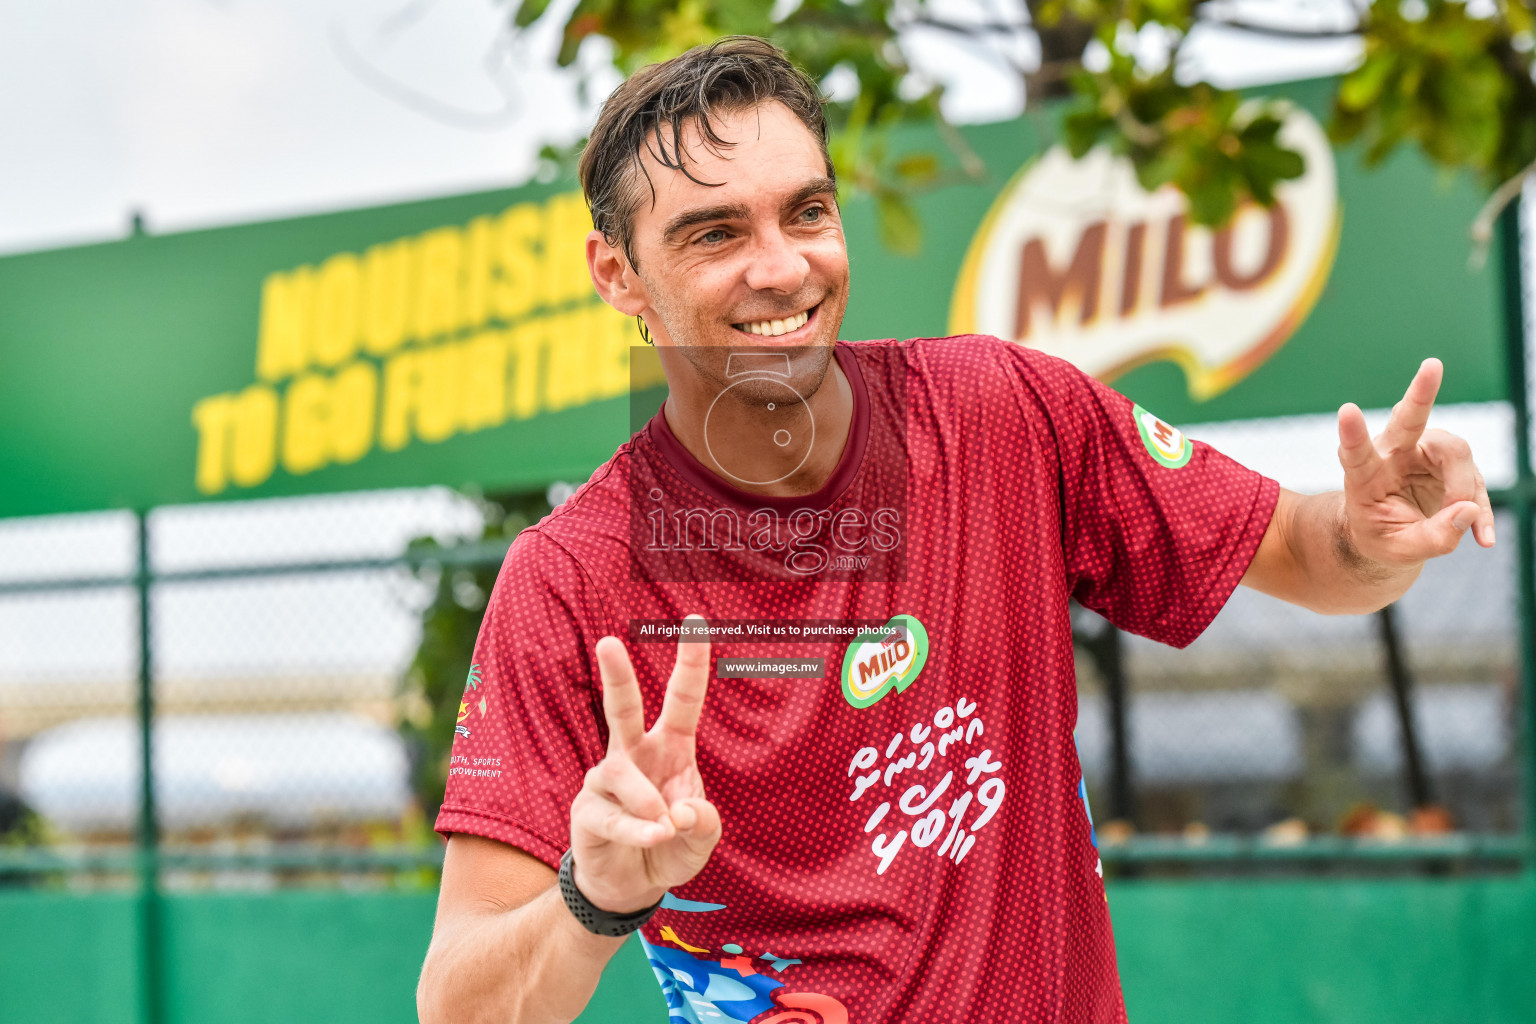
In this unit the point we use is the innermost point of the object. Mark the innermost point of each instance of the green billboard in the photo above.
(458, 341)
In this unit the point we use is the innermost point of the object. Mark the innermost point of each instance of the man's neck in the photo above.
(831, 408)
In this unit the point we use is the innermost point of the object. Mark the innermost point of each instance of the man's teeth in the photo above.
(774, 328)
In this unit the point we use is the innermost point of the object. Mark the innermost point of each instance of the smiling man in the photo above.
(874, 811)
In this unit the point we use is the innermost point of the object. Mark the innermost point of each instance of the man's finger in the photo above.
(1411, 415)
(605, 819)
(1357, 454)
(695, 817)
(684, 784)
(1483, 528)
(690, 679)
(619, 779)
(1441, 533)
(622, 707)
(1450, 458)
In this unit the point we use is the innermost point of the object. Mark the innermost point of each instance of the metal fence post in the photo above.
(1400, 678)
(1525, 485)
(151, 1005)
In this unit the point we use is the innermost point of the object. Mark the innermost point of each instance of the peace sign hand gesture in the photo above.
(1410, 493)
(641, 824)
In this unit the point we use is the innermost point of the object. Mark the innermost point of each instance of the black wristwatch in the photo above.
(594, 919)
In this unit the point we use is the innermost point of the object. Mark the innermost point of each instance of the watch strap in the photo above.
(594, 919)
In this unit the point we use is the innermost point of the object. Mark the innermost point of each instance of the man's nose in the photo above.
(776, 265)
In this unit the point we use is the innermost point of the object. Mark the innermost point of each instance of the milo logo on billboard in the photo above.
(1075, 258)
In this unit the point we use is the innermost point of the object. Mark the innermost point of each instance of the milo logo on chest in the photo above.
(884, 659)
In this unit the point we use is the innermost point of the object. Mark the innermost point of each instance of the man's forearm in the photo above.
(1324, 571)
(534, 964)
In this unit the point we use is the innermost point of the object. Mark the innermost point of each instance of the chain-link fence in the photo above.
(1285, 724)
(1285, 736)
(285, 662)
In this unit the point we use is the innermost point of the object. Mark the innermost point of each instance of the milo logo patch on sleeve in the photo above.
(1164, 442)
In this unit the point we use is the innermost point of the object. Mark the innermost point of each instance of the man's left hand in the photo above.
(1410, 493)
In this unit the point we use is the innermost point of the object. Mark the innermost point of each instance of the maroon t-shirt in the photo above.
(905, 838)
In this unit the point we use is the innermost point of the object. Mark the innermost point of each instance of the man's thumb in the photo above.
(695, 818)
(1445, 528)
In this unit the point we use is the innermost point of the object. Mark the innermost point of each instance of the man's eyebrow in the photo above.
(814, 187)
(738, 211)
(683, 221)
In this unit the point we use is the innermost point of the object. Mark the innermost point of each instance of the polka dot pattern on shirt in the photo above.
(975, 894)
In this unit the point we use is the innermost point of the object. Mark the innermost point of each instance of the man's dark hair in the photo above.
(656, 103)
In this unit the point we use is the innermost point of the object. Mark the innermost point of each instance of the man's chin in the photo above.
(749, 367)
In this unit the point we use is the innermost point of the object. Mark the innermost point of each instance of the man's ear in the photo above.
(614, 278)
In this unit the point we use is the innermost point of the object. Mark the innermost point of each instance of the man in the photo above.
(900, 837)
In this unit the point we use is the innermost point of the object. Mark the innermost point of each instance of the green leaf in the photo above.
(1519, 18)
(1361, 87)
(917, 168)
(1274, 163)
(1157, 171)
(529, 11)
(900, 229)
(1212, 206)
(1081, 130)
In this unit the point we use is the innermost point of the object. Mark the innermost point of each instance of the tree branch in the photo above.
(1137, 130)
(976, 34)
(968, 28)
(1482, 225)
(1282, 31)
(971, 164)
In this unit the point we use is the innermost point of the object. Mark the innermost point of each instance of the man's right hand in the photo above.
(641, 824)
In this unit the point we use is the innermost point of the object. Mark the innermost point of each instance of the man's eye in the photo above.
(711, 237)
(812, 214)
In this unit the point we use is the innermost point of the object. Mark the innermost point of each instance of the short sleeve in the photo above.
(528, 725)
(1157, 529)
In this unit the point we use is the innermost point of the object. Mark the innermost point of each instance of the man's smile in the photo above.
(780, 326)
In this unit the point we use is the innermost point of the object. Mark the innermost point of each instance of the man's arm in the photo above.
(1409, 495)
(504, 946)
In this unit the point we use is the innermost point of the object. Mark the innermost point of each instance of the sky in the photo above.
(197, 112)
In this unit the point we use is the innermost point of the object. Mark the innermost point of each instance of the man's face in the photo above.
(757, 263)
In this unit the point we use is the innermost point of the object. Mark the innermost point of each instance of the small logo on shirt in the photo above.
(1167, 444)
(467, 705)
(884, 659)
